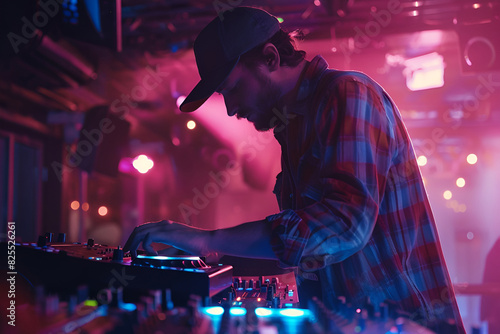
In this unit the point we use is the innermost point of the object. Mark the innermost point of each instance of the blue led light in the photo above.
(292, 312)
(94, 11)
(288, 305)
(128, 307)
(238, 311)
(214, 310)
(161, 257)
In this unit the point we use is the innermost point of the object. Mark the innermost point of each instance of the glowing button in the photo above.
(263, 312)
(238, 311)
(90, 302)
(214, 310)
(128, 307)
(292, 312)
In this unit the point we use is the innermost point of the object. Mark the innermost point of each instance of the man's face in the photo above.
(251, 94)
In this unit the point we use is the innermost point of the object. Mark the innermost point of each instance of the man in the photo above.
(355, 218)
(490, 303)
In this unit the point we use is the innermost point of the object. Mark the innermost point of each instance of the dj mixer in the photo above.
(97, 289)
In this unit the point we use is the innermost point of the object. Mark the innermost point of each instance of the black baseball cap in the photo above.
(220, 44)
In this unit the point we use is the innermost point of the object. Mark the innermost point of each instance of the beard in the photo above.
(264, 118)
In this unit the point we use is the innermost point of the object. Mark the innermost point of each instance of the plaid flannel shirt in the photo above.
(355, 213)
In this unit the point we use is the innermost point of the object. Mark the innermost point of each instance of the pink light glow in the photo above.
(179, 100)
(102, 211)
(125, 165)
(142, 163)
(75, 205)
(425, 72)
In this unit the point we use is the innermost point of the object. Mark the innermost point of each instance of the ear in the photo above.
(271, 56)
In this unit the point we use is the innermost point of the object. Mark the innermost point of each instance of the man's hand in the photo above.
(184, 237)
(250, 239)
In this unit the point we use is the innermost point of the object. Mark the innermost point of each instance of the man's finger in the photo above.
(126, 248)
(146, 245)
(130, 240)
(133, 242)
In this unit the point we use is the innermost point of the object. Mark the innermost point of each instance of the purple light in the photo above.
(125, 165)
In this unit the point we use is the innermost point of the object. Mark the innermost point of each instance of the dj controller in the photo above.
(97, 289)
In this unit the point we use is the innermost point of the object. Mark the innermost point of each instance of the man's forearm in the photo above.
(251, 240)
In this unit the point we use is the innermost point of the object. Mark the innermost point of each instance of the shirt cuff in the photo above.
(289, 236)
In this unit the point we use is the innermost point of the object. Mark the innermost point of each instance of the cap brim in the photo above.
(206, 87)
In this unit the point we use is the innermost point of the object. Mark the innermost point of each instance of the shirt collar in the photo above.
(305, 85)
(296, 101)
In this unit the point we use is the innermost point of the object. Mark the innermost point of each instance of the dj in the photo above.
(355, 220)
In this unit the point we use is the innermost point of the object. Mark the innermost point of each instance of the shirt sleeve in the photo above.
(355, 145)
